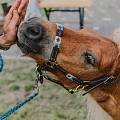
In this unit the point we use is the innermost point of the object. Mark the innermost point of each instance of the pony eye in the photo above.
(89, 59)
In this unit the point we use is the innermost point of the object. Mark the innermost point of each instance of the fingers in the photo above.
(8, 17)
(14, 7)
(23, 6)
(11, 30)
(15, 19)
(20, 6)
(23, 15)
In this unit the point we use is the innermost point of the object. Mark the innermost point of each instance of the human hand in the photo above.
(12, 20)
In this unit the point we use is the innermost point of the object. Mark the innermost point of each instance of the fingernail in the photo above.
(14, 11)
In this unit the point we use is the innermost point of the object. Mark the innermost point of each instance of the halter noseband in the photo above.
(52, 64)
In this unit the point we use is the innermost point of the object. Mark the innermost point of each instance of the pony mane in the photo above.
(95, 112)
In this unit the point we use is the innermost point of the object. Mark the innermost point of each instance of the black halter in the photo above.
(52, 64)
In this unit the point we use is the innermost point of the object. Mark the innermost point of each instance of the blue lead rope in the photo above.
(1, 63)
(3, 116)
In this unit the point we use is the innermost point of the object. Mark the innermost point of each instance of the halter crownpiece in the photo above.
(52, 64)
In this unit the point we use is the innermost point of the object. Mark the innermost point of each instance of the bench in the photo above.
(79, 6)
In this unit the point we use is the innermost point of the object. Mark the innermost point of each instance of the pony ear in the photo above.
(118, 64)
(115, 37)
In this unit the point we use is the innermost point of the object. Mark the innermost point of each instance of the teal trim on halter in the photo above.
(71, 77)
(1, 63)
(57, 41)
(59, 27)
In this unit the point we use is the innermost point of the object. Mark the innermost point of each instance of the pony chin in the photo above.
(95, 112)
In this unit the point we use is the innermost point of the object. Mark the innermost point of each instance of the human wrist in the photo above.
(3, 44)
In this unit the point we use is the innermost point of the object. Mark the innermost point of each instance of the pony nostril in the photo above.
(33, 32)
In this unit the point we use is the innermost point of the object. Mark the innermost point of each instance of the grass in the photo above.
(28, 87)
(52, 102)
(14, 87)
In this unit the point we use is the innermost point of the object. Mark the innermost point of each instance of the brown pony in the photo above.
(80, 59)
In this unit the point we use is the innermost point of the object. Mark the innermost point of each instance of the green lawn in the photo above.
(52, 103)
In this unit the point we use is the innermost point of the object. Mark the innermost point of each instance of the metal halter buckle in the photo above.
(75, 90)
(51, 64)
(110, 77)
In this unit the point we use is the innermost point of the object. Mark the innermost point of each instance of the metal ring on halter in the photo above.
(35, 87)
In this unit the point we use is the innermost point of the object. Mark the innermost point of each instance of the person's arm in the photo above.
(15, 15)
(12, 20)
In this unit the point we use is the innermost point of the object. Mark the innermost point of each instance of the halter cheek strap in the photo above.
(54, 54)
(57, 42)
(52, 63)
